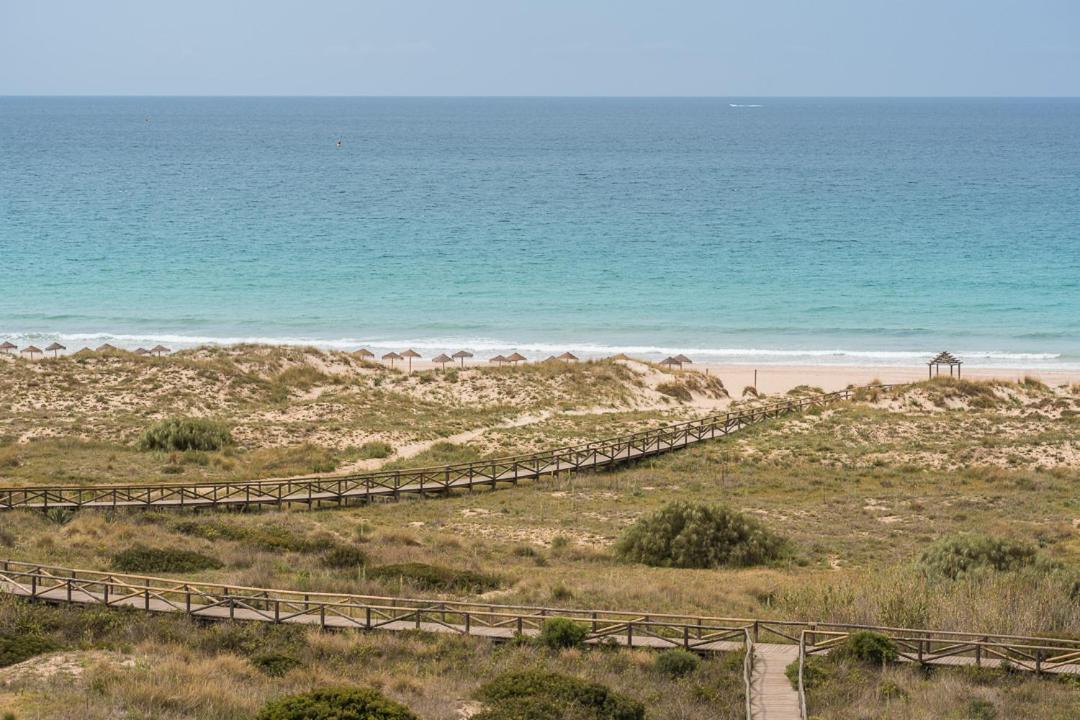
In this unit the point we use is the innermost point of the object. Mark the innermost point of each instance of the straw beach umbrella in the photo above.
(55, 348)
(31, 350)
(683, 360)
(410, 353)
(105, 348)
(461, 355)
(442, 360)
(568, 357)
(669, 361)
(550, 359)
(516, 358)
(364, 354)
(499, 360)
(392, 356)
(142, 351)
(7, 347)
(160, 350)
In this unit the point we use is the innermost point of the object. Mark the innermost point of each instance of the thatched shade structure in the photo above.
(392, 356)
(568, 357)
(105, 348)
(516, 358)
(141, 351)
(669, 361)
(30, 350)
(944, 358)
(683, 360)
(499, 359)
(550, 358)
(410, 353)
(461, 355)
(159, 350)
(7, 347)
(442, 360)
(55, 348)
(364, 354)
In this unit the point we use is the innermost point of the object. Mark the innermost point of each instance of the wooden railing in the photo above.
(339, 489)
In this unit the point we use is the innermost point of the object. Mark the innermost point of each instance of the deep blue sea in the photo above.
(772, 230)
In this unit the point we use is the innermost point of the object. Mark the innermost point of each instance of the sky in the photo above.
(748, 48)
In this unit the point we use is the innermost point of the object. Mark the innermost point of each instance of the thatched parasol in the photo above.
(55, 348)
(683, 360)
(461, 355)
(550, 358)
(7, 347)
(31, 350)
(392, 356)
(499, 359)
(141, 351)
(410, 353)
(442, 359)
(516, 358)
(568, 356)
(364, 354)
(159, 350)
(669, 361)
(105, 348)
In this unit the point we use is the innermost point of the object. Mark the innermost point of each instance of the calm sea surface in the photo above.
(816, 231)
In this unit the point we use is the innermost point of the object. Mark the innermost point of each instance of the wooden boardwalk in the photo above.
(315, 491)
(770, 644)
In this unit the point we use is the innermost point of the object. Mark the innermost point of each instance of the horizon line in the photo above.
(538, 96)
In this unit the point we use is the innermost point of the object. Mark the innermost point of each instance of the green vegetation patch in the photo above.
(954, 556)
(536, 694)
(16, 648)
(677, 662)
(691, 535)
(182, 434)
(275, 664)
(436, 577)
(336, 704)
(559, 633)
(140, 558)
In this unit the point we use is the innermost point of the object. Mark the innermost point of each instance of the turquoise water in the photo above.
(798, 231)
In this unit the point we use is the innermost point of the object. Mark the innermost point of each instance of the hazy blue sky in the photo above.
(540, 47)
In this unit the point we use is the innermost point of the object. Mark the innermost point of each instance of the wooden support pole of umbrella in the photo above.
(461, 355)
(410, 353)
(7, 347)
(516, 358)
(55, 349)
(442, 360)
(31, 350)
(159, 350)
(391, 356)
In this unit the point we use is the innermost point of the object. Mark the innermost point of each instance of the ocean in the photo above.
(794, 231)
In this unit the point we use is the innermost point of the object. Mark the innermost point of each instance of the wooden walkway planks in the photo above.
(339, 489)
(771, 695)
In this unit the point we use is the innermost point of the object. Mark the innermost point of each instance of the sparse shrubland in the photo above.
(685, 535)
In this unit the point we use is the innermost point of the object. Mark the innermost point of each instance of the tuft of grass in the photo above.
(375, 450)
(275, 664)
(181, 434)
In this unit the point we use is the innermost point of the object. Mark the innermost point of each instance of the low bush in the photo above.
(18, 647)
(675, 390)
(275, 664)
(344, 556)
(140, 558)
(956, 555)
(536, 695)
(867, 647)
(688, 535)
(677, 662)
(375, 450)
(182, 434)
(335, 704)
(435, 577)
(559, 633)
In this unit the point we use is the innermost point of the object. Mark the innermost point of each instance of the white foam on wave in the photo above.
(774, 356)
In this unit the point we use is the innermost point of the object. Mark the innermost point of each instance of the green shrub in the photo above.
(981, 710)
(677, 662)
(344, 556)
(868, 647)
(956, 555)
(376, 450)
(181, 434)
(335, 704)
(435, 577)
(140, 558)
(562, 633)
(688, 535)
(23, 646)
(275, 664)
(816, 671)
(539, 695)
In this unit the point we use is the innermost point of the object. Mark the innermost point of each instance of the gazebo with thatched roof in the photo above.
(516, 358)
(944, 358)
(392, 356)
(159, 350)
(442, 360)
(568, 357)
(410, 353)
(7, 347)
(30, 350)
(55, 349)
(461, 355)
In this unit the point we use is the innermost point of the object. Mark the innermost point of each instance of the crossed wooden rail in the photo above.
(340, 489)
